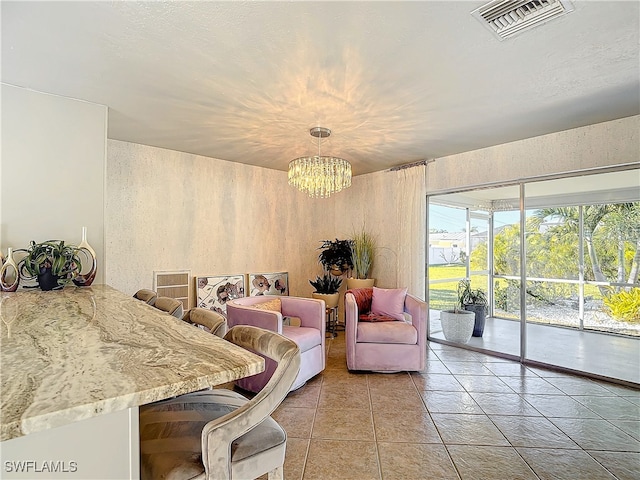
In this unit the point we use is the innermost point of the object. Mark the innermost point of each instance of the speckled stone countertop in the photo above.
(73, 354)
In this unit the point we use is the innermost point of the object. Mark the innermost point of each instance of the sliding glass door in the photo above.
(575, 247)
(474, 235)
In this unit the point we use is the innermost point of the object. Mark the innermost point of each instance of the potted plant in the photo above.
(52, 263)
(335, 256)
(327, 288)
(363, 249)
(457, 324)
(474, 300)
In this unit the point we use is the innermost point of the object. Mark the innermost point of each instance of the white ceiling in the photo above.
(397, 82)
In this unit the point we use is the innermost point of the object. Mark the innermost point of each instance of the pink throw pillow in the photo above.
(389, 301)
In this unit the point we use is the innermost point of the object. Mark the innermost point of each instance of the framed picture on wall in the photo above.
(213, 292)
(268, 284)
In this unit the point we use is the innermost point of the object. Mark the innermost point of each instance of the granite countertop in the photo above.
(75, 353)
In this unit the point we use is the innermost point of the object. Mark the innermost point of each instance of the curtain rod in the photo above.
(411, 165)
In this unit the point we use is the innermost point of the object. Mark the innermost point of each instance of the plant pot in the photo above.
(330, 299)
(480, 318)
(457, 326)
(47, 280)
(360, 283)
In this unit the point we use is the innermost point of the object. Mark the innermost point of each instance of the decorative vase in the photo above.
(86, 279)
(360, 283)
(457, 326)
(330, 299)
(9, 275)
(47, 280)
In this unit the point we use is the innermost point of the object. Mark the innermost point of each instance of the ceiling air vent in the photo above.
(506, 18)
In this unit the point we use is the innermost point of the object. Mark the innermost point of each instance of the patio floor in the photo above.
(599, 354)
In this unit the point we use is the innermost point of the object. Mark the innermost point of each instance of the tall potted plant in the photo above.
(327, 288)
(473, 300)
(363, 250)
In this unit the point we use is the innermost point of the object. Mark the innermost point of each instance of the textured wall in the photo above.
(169, 210)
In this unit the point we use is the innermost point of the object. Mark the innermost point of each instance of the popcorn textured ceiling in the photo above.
(396, 82)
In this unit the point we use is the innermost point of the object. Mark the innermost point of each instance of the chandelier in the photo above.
(320, 176)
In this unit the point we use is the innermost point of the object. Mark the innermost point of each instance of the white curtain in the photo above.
(411, 216)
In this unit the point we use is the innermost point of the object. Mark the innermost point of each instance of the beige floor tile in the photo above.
(593, 434)
(296, 421)
(335, 363)
(405, 427)
(339, 396)
(484, 463)
(295, 458)
(315, 381)
(414, 461)
(306, 397)
(397, 400)
(630, 427)
(483, 383)
(343, 460)
(559, 406)
(504, 404)
(532, 432)
(438, 381)
(624, 465)
(557, 464)
(611, 407)
(346, 424)
(344, 377)
(450, 402)
(393, 381)
(467, 368)
(466, 429)
(433, 366)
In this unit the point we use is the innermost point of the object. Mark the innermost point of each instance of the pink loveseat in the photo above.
(268, 312)
(389, 338)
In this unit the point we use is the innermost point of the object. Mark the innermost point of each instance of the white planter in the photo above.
(457, 326)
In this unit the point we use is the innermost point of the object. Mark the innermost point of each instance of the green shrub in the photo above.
(624, 305)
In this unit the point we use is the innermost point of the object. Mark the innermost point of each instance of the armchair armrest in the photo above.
(351, 316)
(246, 315)
(310, 311)
(418, 311)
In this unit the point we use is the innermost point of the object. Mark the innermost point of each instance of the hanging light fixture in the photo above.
(320, 176)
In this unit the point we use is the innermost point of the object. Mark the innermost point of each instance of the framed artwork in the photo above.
(213, 292)
(268, 284)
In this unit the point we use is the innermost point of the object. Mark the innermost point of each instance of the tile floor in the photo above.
(467, 416)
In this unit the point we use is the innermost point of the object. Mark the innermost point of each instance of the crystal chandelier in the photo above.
(319, 176)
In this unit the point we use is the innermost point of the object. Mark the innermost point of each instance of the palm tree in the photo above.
(620, 221)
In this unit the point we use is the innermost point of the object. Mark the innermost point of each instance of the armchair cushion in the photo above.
(305, 337)
(387, 332)
(388, 301)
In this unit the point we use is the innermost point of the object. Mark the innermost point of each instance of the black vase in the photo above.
(481, 317)
(47, 280)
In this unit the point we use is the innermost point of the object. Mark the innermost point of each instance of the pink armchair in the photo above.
(387, 335)
(268, 312)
